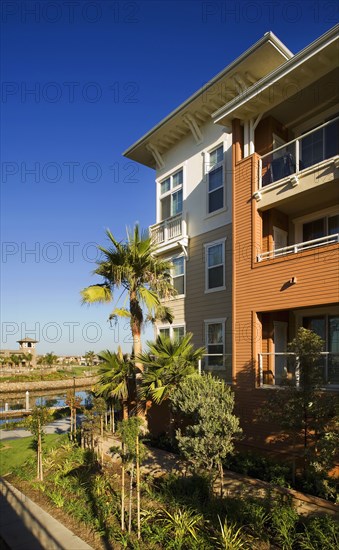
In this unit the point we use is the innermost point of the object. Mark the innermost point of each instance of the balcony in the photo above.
(281, 369)
(299, 247)
(166, 234)
(302, 163)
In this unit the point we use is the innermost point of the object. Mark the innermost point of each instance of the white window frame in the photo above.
(206, 247)
(171, 327)
(210, 168)
(221, 321)
(184, 274)
(170, 192)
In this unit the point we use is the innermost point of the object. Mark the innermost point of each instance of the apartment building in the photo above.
(192, 157)
(247, 208)
(285, 271)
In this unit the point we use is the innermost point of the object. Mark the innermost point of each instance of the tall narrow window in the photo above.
(215, 265)
(178, 274)
(171, 195)
(215, 343)
(216, 180)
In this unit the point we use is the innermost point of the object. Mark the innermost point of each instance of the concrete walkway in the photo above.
(60, 426)
(26, 526)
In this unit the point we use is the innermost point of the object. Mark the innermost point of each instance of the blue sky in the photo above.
(81, 81)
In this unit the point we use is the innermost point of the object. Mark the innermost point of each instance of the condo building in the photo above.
(247, 209)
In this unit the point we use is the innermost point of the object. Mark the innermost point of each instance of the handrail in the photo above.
(290, 154)
(165, 222)
(302, 136)
(299, 247)
(325, 354)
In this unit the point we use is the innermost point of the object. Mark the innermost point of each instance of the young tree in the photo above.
(132, 454)
(207, 405)
(133, 267)
(74, 403)
(35, 423)
(305, 409)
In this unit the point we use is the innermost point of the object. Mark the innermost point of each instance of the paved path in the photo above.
(26, 526)
(58, 426)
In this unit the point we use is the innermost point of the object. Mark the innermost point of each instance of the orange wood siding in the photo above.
(264, 287)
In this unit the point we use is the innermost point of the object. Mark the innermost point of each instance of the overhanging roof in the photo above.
(263, 57)
(309, 65)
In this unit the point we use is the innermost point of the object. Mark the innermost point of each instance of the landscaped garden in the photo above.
(108, 499)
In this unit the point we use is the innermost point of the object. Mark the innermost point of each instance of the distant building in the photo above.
(26, 354)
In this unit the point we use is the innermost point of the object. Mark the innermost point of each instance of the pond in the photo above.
(48, 399)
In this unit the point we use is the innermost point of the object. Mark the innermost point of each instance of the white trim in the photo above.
(170, 192)
(170, 327)
(222, 321)
(209, 245)
(171, 258)
(207, 168)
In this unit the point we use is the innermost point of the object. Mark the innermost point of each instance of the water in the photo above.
(47, 399)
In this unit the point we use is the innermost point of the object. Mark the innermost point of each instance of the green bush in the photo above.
(320, 533)
(284, 524)
(260, 467)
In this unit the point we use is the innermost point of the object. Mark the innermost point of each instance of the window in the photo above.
(321, 227)
(215, 265)
(173, 332)
(171, 195)
(215, 330)
(164, 332)
(216, 180)
(178, 333)
(178, 274)
(327, 327)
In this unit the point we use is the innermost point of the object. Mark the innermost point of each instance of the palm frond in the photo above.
(96, 293)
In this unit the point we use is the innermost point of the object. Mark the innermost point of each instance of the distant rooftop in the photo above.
(27, 340)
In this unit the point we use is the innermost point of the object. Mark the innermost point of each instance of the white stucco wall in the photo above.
(192, 158)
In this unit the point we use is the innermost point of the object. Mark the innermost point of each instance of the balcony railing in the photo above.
(219, 364)
(300, 154)
(299, 247)
(280, 369)
(167, 230)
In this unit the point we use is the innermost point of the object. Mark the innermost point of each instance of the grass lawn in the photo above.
(13, 453)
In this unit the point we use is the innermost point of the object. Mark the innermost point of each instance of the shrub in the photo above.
(320, 532)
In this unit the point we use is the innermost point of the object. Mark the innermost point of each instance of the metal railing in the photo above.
(219, 364)
(280, 369)
(299, 247)
(307, 150)
(167, 230)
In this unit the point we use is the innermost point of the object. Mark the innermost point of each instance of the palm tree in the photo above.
(117, 378)
(90, 356)
(166, 363)
(15, 359)
(28, 358)
(50, 358)
(133, 267)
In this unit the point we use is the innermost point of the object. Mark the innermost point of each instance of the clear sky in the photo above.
(81, 81)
